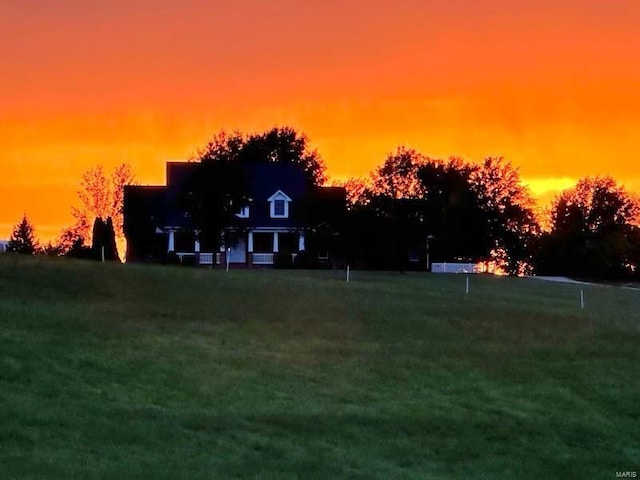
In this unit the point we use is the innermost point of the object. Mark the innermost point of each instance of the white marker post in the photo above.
(581, 298)
(228, 255)
(102, 250)
(348, 274)
(467, 289)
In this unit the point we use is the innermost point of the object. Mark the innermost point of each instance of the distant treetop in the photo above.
(278, 145)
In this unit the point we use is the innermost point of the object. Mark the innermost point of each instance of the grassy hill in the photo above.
(113, 371)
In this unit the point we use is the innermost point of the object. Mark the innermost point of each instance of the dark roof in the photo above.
(263, 180)
(144, 205)
(178, 173)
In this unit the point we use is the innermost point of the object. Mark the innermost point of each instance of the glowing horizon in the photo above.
(552, 87)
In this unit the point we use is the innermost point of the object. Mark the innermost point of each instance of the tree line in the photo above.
(483, 212)
(409, 207)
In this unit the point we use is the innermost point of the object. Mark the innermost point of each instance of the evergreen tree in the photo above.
(104, 240)
(23, 239)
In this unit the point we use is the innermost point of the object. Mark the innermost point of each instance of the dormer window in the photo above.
(278, 208)
(279, 205)
(243, 213)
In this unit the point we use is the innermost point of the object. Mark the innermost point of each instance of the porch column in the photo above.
(275, 242)
(172, 241)
(301, 242)
(250, 243)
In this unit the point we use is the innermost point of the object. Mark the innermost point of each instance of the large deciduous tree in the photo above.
(359, 191)
(510, 213)
(217, 190)
(282, 145)
(212, 197)
(454, 214)
(23, 239)
(594, 231)
(470, 212)
(397, 177)
(101, 196)
(286, 146)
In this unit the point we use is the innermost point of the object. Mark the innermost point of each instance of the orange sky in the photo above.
(554, 86)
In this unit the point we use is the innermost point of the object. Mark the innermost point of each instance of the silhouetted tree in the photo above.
(470, 212)
(104, 240)
(359, 191)
(216, 191)
(397, 177)
(594, 231)
(279, 145)
(51, 250)
(454, 214)
(212, 196)
(223, 147)
(509, 210)
(23, 238)
(286, 146)
(101, 196)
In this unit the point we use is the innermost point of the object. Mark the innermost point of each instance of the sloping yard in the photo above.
(113, 371)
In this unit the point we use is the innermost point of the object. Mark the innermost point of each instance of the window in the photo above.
(278, 208)
(243, 213)
(279, 205)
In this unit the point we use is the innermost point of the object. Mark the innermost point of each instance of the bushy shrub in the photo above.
(189, 261)
(309, 261)
(171, 259)
(283, 260)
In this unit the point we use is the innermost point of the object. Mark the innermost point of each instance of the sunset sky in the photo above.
(553, 85)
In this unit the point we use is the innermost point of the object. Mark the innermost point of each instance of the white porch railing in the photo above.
(263, 258)
(206, 259)
(182, 255)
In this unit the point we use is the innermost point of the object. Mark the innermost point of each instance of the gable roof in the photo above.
(279, 195)
(161, 204)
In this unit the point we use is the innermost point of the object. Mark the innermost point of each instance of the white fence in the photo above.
(455, 268)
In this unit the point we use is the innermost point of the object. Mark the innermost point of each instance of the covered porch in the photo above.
(259, 246)
(262, 246)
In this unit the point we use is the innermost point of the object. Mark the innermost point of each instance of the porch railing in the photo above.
(263, 258)
(206, 258)
(182, 255)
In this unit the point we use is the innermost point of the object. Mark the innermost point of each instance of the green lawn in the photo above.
(114, 371)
